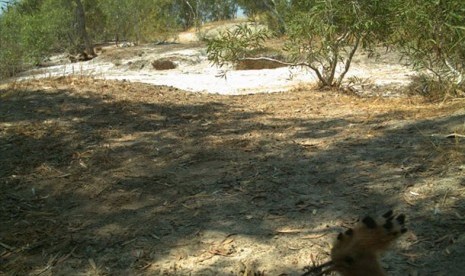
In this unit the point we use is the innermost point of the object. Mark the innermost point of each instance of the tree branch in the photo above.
(334, 65)
(348, 61)
(292, 64)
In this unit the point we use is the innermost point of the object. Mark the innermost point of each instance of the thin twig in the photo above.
(6, 246)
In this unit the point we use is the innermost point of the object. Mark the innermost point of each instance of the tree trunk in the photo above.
(274, 11)
(84, 42)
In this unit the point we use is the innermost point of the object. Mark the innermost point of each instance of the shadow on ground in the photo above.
(115, 178)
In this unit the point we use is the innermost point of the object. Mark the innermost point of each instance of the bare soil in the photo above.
(115, 178)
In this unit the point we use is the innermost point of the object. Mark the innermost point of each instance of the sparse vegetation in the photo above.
(432, 36)
(324, 36)
(236, 44)
(32, 30)
(320, 35)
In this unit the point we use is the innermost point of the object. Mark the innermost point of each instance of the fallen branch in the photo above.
(292, 64)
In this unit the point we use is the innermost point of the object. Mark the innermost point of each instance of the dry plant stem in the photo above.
(455, 135)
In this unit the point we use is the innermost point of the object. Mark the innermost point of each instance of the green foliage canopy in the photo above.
(432, 36)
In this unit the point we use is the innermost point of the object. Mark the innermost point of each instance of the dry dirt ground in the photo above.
(115, 178)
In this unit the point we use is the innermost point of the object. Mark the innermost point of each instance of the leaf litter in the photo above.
(114, 178)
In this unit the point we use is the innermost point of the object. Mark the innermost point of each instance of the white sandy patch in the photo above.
(196, 74)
